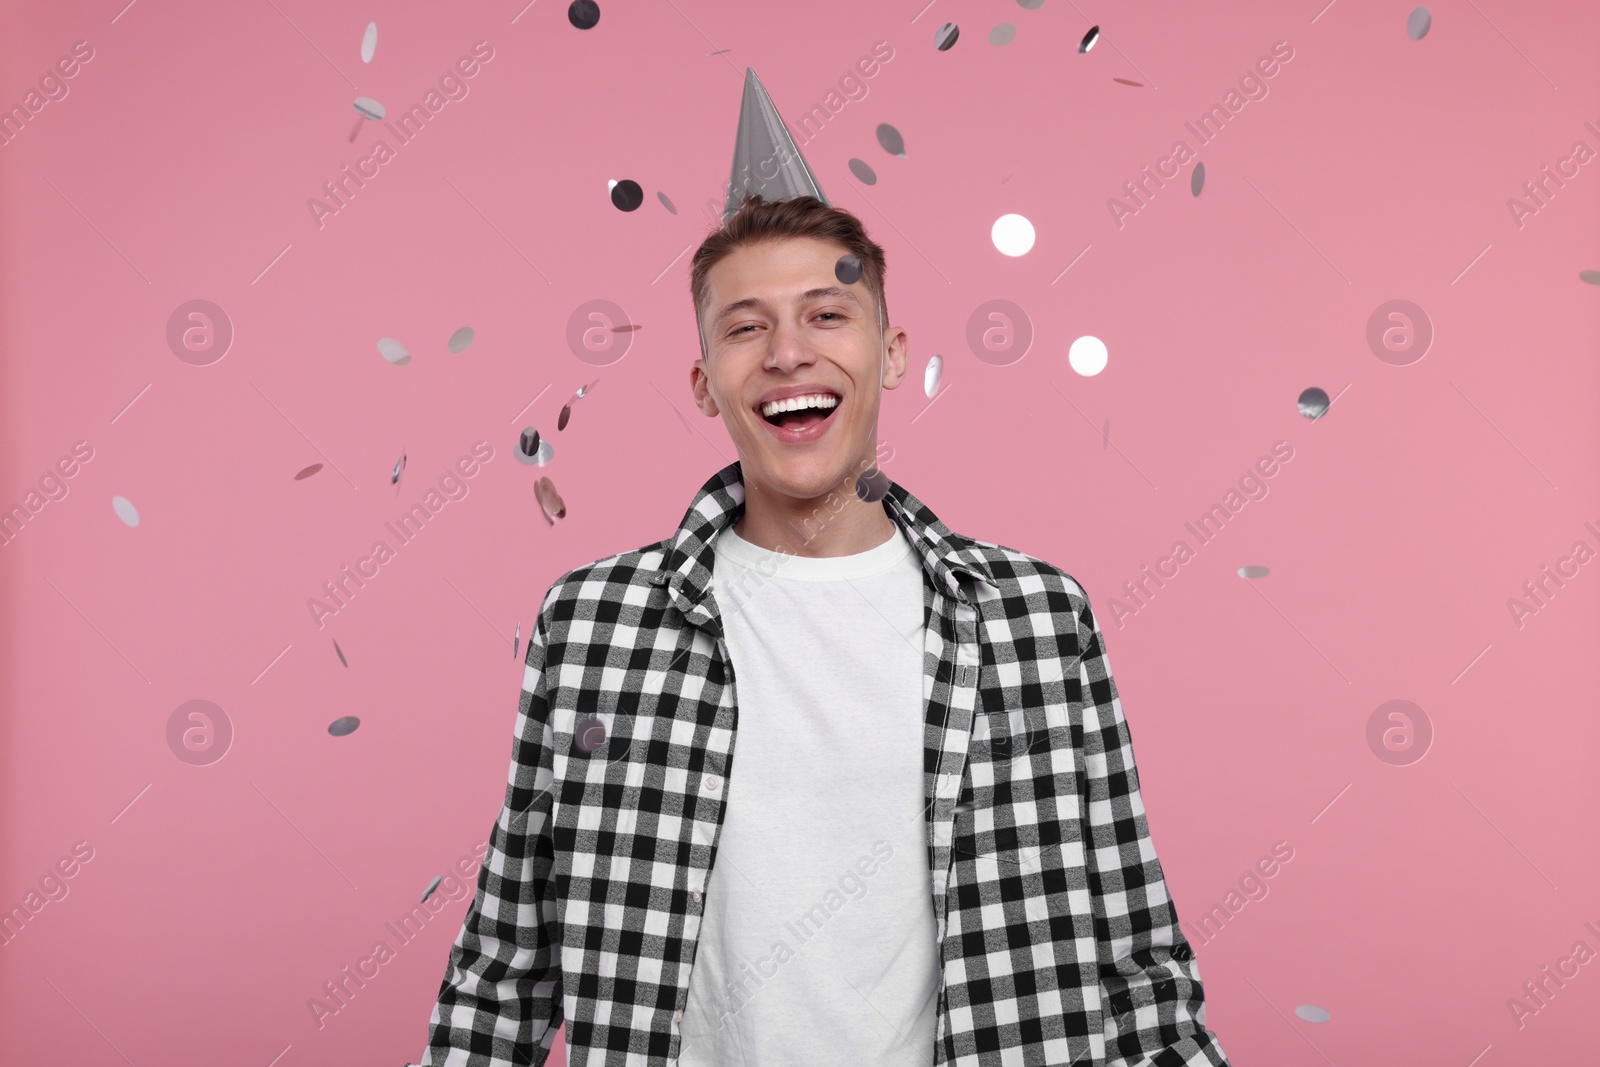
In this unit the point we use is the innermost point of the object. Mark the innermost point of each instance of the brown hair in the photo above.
(760, 220)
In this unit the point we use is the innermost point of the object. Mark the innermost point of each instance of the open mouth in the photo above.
(803, 424)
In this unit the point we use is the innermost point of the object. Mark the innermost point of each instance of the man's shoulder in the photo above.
(605, 579)
(1016, 572)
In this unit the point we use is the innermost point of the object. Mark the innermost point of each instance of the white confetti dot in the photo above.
(1087, 356)
(125, 510)
(1012, 235)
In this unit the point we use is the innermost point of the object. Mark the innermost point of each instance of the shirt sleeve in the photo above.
(500, 1002)
(1152, 1000)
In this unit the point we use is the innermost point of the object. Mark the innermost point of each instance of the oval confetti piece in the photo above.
(871, 486)
(891, 141)
(566, 413)
(930, 377)
(626, 195)
(340, 651)
(516, 640)
(1125, 81)
(1590, 276)
(1002, 34)
(369, 108)
(1089, 40)
(1253, 571)
(666, 203)
(308, 472)
(625, 328)
(1417, 25)
(342, 726)
(1312, 1014)
(399, 465)
(1197, 180)
(461, 339)
(947, 36)
(125, 510)
(589, 735)
(393, 351)
(864, 174)
(847, 269)
(428, 892)
(369, 42)
(583, 14)
(550, 501)
(528, 444)
(1313, 403)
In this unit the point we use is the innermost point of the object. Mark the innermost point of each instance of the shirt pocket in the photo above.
(1018, 784)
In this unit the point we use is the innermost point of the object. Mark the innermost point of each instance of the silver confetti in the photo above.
(864, 174)
(1312, 1014)
(516, 642)
(589, 735)
(847, 269)
(1002, 34)
(947, 35)
(1197, 179)
(1253, 571)
(666, 203)
(1089, 40)
(1418, 23)
(393, 351)
(340, 651)
(346, 725)
(891, 141)
(369, 42)
(400, 465)
(550, 501)
(1313, 403)
(125, 510)
(428, 892)
(930, 377)
(461, 339)
(872, 485)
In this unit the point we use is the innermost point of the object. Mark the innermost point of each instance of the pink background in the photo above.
(220, 898)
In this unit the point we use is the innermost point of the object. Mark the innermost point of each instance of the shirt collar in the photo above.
(946, 556)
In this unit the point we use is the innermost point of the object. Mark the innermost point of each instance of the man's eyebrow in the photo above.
(804, 298)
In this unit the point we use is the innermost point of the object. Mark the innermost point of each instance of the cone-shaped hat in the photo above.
(763, 146)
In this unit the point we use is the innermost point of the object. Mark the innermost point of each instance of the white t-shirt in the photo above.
(817, 941)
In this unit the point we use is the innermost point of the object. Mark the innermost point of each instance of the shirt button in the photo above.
(713, 783)
(696, 896)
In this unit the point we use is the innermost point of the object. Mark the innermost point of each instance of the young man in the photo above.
(816, 780)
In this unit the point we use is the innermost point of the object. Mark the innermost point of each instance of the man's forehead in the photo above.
(819, 290)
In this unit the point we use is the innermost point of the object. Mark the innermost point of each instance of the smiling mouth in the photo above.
(799, 420)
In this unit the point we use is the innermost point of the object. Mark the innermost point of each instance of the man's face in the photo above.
(784, 337)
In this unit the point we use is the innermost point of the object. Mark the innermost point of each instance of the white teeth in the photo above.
(795, 403)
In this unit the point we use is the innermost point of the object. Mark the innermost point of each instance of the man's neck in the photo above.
(838, 524)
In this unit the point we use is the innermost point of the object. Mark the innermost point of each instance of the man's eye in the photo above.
(835, 314)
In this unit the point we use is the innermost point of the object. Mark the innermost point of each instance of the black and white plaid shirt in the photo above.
(1059, 944)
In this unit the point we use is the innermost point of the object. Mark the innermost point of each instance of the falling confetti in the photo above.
(308, 472)
(1313, 403)
(583, 14)
(1197, 180)
(125, 510)
(1253, 571)
(1125, 81)
(340, 652)
(1417, 25)
(529, 443)
(566, 413)
(1087, 356)
(626, 195)
(1003, 34)
(343, 726)
(400, 465)
(583, 389)
(626, 328)
(947, 35)
(461, 339)
(666, 203)
(1089, 40)
(1312, 1014)
(1590, 276)
(1012, 234)
(369, 110)
(589, 735)
(393, 351)
(864, 174)
(847, 269)
(550, 501)
(891, 141)
(872, 485)
(516, 641)
(369, 42)
(930, 376)
(428, 892)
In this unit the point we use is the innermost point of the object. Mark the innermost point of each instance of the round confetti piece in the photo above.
(342, 726)
(369, 108)
(864, 174)
(1087, 356)
(1417, 25)
(1002, 34)
(589, 735)
(1030, 5)
(848, 269)
(947, 35)
(308, 472)
(890, 140)
(461, 339)
(1312, 1014)
(872, 485)
(393, 351)
(1012, 234)
(626, 195)
(1313, 403)
(125, 510)
(583, 14)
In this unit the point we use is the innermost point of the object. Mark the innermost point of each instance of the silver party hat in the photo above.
(764, 145)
